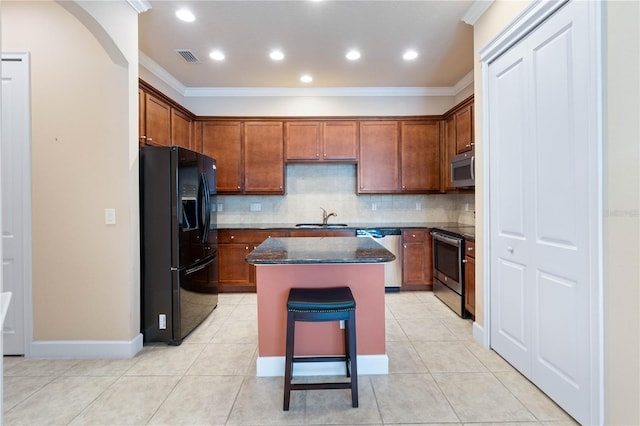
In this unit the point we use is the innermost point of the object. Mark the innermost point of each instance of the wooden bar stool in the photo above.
(320, 305)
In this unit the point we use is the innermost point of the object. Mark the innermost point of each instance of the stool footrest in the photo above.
(319, 359)
(314, 386)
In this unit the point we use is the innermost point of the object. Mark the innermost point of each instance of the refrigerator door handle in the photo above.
(199, 266)
(203, 199)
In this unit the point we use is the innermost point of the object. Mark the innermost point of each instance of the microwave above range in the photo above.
(462, 170)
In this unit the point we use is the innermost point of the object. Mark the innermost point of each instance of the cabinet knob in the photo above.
(510, 249)
(238, 187)
(246, 247)
(143, 137)
(469, 249)
(233, 236)
(464, 260)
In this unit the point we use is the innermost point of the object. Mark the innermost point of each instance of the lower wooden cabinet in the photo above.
(417, 261)
(470, 278)
(234, 273)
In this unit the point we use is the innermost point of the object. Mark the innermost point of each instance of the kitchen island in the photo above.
(283, 263)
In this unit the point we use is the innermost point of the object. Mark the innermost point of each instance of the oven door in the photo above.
(447, 260)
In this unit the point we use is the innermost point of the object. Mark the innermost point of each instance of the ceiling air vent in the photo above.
(187, 55)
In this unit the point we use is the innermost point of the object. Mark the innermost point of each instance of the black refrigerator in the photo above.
(178, 244)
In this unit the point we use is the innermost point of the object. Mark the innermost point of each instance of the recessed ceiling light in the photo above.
(185, 15)
(276, 55)
(410, 55)
(217, 55)
(306, 78)
(353, 55)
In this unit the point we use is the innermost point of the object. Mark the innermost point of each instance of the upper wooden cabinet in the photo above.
(379, 163)
(249, 155)
(263, 157)
(448, 151)
(162, 122)
(157, 121)
(321, 141)
(464, 129)
(420, 155)
(222, 140)
(399, 157)
(181, 130)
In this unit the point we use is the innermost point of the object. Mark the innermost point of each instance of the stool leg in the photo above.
(353, 358)
(347, 352)
(288, 362)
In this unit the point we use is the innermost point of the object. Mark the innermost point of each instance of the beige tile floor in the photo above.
(438, 375)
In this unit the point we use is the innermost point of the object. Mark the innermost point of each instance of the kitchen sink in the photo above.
(319, 225)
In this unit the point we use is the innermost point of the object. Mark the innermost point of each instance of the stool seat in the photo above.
(321, 305)
(320, 299)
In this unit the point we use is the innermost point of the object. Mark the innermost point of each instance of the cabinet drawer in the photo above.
(470, 248)
(228, 236)
(409, 235)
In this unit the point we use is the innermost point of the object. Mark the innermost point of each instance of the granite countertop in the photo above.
(308, 250)
(467, 231)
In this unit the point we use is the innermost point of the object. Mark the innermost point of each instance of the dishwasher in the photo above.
(389, 238)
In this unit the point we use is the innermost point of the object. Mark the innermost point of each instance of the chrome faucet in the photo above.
(326, 216)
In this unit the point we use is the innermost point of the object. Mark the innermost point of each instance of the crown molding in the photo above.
(318, 91)
(139, 5)
(161, 73)
(463, 83)
(475, 11)
(176, 85)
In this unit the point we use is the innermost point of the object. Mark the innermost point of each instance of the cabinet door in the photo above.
(233, 270)
(302, 140)
(470, 285)
(428, 258)
(181, 129)
(449, 151)
(464, 129)
(413, 256)
(157, 121)
(223, 141)
(141, 117)
(263, 157)
(420, 154)
(379, 165)
(340, 140)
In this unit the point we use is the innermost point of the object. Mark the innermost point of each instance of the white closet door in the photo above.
(510, 208)
(543, 183)
(15, 195)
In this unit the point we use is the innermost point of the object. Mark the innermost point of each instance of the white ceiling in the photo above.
(314, 36)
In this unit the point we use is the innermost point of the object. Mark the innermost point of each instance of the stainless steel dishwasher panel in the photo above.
(391, 239)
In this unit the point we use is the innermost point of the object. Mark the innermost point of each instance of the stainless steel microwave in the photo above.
(462, 170)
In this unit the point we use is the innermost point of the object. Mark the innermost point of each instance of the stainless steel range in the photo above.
(448, 271)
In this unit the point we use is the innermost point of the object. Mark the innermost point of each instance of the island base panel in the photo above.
(367, 285)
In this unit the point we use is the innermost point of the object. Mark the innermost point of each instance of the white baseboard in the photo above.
(87, 349)
(478, 333)
(269, 366)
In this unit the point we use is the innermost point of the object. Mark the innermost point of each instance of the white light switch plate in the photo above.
(110, 216)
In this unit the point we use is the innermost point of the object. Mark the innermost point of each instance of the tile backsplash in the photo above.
(310, 187)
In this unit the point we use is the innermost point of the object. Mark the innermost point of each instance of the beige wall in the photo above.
(621, 193)
(84, 125)
(622, 213)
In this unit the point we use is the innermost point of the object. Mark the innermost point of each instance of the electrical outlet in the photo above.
(418, 205)
(109, 216)
(162, 321)
(341, 324)
(255, 207)
(374, 206)
(220, 207)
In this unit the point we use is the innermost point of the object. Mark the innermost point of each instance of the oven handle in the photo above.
(446, 239)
